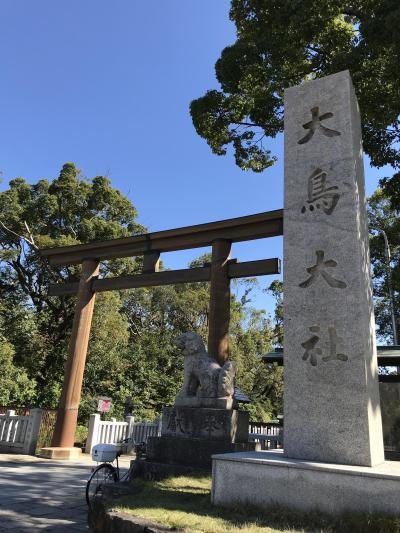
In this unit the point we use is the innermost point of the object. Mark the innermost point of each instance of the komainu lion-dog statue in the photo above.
(206, 383)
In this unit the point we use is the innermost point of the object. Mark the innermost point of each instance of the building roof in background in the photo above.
(241, 396)
(387, 356)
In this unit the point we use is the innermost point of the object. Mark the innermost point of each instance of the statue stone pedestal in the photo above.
(191, 435)
(226, 425)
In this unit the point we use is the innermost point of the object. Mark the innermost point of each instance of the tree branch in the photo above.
(248, 124)
(351, 12)
(30, 241)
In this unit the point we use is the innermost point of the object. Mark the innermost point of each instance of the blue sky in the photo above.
(107, 85)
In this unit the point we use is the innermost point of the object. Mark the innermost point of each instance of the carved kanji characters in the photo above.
(309, 346)
(319, 270)
(333, 341)
(319, 195)
(315, 124)
(311, 351)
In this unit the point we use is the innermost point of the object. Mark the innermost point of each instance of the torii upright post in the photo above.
(64, 432)
(220, 298)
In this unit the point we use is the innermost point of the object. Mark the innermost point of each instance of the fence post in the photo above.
(130, 420)
(159, 425)
(8, 424)
(93, 432)
(34, 420)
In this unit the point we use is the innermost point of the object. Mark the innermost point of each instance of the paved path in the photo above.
(43, 495)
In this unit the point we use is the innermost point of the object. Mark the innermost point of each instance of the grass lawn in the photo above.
(184, 503)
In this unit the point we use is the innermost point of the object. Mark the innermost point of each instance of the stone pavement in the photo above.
(43, 495)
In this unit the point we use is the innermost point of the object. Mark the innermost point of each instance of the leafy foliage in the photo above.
(276, 290)
(15, 385)
(70, 210)
(281, 43)
(251, 337)
(383, 215)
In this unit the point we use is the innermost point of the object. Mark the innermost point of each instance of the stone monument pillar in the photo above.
(331, 404)
(333, 448)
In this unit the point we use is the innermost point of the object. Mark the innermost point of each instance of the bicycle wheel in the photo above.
(104, 473)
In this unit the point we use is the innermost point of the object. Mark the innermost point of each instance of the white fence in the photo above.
(142, 430)
(111, 431)
(19, 433)
(268, 434)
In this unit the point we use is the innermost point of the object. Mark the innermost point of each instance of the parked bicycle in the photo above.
(106, 472)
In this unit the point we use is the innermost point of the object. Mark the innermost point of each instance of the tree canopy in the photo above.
(69, 210)
(281, 43)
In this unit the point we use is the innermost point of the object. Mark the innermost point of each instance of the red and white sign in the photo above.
(104, 405)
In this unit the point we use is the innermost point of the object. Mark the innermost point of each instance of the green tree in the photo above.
(71, 209)
(15, 385)
(251, 337)
(281, 43)
(383, 214)
(276, 290)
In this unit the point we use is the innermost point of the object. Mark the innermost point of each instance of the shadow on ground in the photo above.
(43, 495)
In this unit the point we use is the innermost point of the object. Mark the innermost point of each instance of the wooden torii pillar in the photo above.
(220, 302)
(67, 415)
(220, 235)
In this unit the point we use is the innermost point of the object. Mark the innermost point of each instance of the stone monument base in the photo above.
(269, 478)
(190, 437)
(153, 471)
(190, 452)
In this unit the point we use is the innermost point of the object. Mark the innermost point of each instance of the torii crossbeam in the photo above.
(219, 235)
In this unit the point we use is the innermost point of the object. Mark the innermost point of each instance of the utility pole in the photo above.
(390, 287)
(390, 284)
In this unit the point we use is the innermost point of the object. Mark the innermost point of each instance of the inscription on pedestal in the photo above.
(206, 424)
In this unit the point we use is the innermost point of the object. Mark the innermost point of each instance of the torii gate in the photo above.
(220, 235)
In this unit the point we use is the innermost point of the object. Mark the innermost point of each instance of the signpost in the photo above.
(104, 405)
